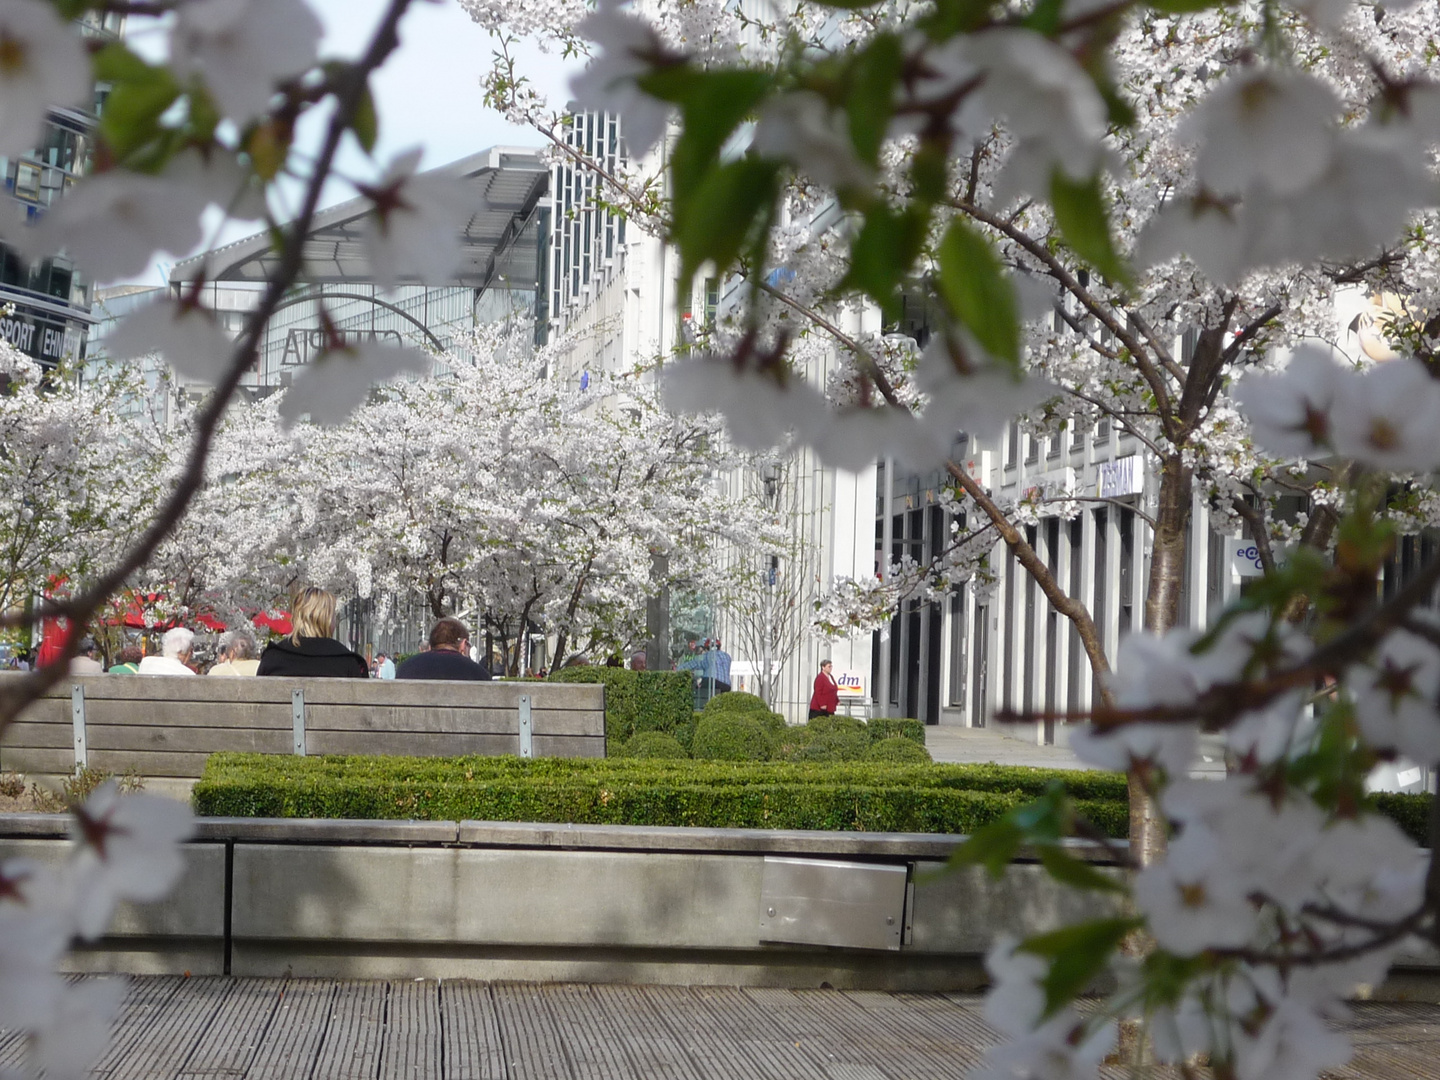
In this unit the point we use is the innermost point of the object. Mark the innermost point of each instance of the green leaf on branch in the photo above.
(978, 292)
(870, 102)
(883, 253)
(1080, 212)
(140, 94)
(1044, 17)
(1040, 823)
(1076, 873)
(952, 17)
(1077, 955)
(365, 122)
(712, 105)
(716, 221)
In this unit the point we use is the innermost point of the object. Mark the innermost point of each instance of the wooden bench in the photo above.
(165, 725)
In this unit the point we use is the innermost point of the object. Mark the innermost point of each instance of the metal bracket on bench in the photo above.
(297, 719)
(525, 725)
(77, 719)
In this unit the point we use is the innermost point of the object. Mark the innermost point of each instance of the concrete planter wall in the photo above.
(553, 902)
(575, 903)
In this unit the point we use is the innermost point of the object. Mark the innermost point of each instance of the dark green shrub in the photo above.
(732, 737)
(736, 701)
(888, 727)
(652, 744)
(637, 701)
(897, 749)
(1410, 812)
(826, 738)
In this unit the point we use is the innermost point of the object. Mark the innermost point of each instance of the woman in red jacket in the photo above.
(825, 698)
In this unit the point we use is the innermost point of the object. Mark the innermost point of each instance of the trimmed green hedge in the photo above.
(637, 701)
(897, 749)
(887, 727)
(1410, 812)
(651, 744)
(870, 797)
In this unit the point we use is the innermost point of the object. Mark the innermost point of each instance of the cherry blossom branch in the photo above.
(1256, 520)
(1029, 558)
(866, 358)
(349, 92)
(1058, 270)
(1120, 417)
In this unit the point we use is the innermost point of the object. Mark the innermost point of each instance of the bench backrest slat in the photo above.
(165, 726)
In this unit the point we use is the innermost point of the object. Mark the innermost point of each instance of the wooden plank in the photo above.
(262, 716)
(450, 720)
(194, 689)
(717, 1049)
(535, 1046)
(470, 1032)
(240, 1028)
(297, 1030)
(475, 695)
(411, 745)
(163, 739)
(412, 1032)
(184, 766)
(25, 760)
(642, 1031)
(568, 745)
(174, 1032)
(761, 1034)
(594, 1044)
(33, 736)
(354, 1033)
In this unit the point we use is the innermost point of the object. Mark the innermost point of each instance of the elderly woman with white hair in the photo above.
(175, 648)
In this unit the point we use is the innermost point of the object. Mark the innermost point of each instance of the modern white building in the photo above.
(616, 297)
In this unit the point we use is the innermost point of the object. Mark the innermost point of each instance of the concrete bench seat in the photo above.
(165, 726)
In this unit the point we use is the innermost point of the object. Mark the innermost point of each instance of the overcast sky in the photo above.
(428, 93)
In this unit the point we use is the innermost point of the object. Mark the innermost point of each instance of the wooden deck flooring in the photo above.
(317, 1029)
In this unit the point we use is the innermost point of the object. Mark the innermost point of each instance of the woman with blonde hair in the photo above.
(310, 650)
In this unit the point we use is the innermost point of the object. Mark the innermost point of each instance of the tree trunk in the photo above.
(657, 615)
(1061, 601)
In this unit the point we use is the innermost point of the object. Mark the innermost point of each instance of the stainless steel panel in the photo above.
(825, 902)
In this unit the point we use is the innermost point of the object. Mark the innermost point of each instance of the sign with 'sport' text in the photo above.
(850, 684)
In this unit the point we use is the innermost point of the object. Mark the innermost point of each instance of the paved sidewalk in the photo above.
(962, 745)
(217, 1028)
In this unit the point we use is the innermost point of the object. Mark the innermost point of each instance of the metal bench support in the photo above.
(297, 719)
(77, 719)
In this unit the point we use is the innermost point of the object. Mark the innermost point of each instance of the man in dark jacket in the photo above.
(447, 658)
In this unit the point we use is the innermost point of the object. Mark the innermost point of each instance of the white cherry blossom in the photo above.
(42, 63)
(801, 127)
(114, 222)
(1265, 124)
(1291, 412)
(1390, 418)
(1190, 902)
(628, 47)
(130, 850)
(185, 334)
(241, 49)
(413, 232)
(333, 385)
(1396, 695)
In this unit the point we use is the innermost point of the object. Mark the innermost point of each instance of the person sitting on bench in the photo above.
(310, 650)
(447, 658)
